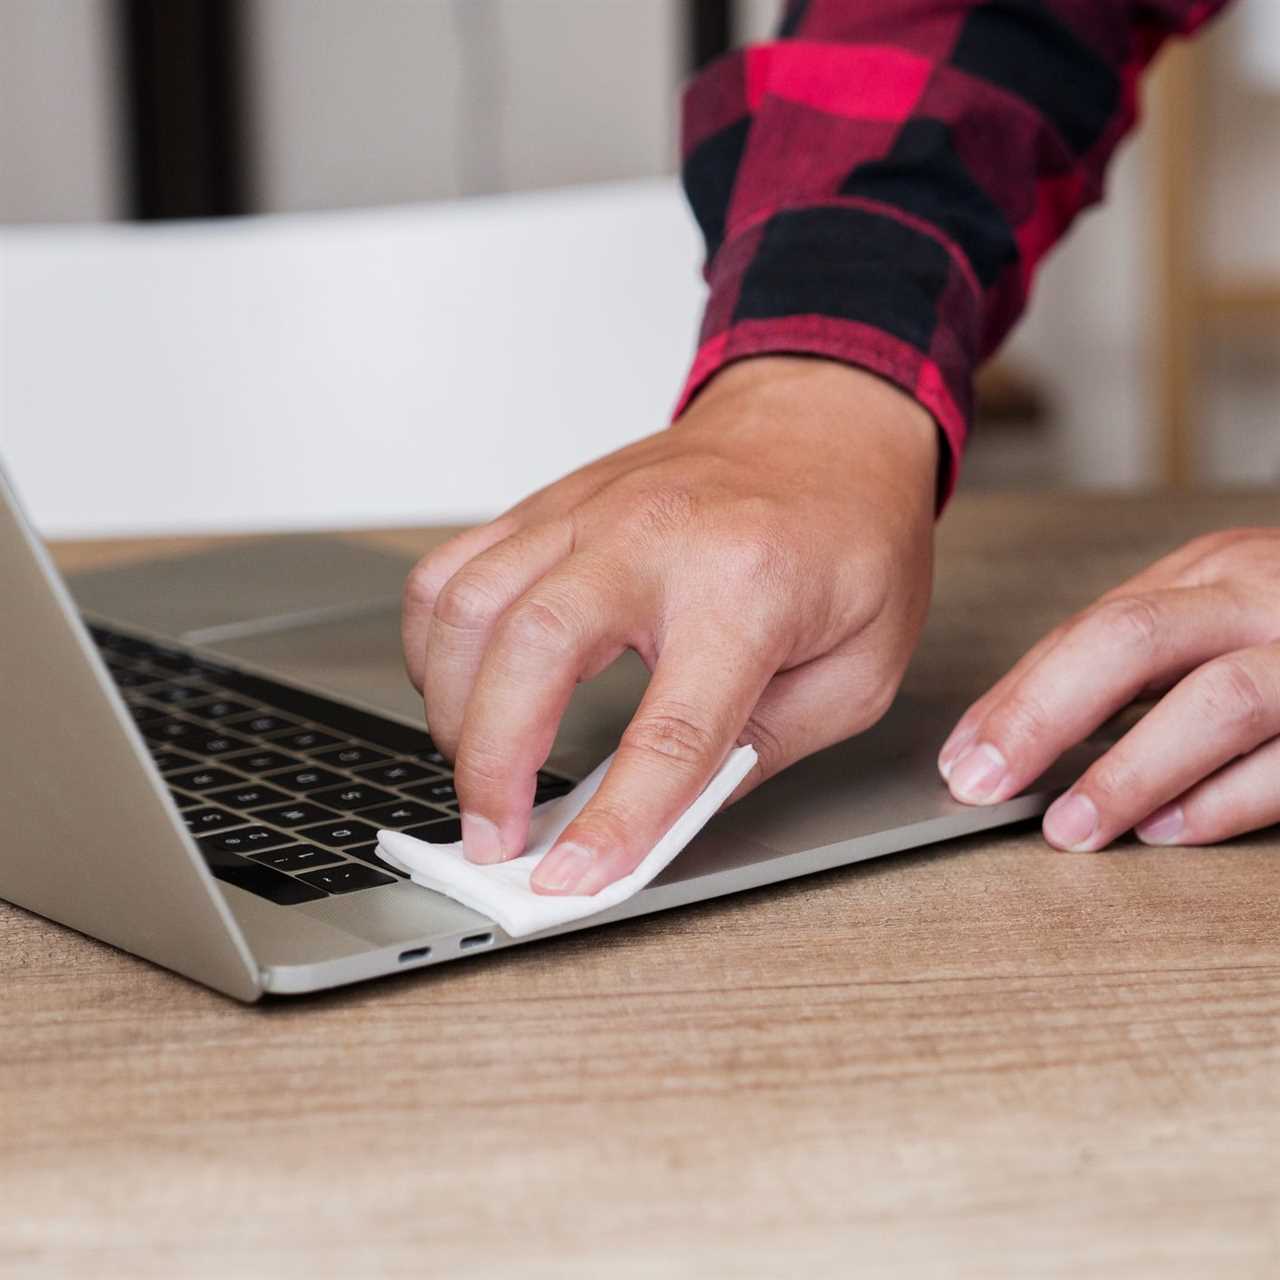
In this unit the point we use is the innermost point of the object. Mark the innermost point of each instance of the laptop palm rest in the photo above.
(325, 615)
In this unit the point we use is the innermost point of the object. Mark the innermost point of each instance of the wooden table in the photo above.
(985, 1060)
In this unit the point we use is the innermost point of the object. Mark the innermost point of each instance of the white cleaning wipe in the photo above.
(502, 891)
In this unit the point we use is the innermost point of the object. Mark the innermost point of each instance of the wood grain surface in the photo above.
(983, 1060)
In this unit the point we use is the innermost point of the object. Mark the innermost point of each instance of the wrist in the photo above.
(831, 405)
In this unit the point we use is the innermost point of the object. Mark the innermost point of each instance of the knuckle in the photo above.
(1217, 555)
(539, 625)
(671, 737)
(1022, 719)
(1230, 694)
(752, 554)
(479, 771)
(1217, 541)
(423, 585)
(467, 602)
(880, 699)
(771, 751)
(1208, 542)
(1134, 622)
(601, 825)
(1111, 782)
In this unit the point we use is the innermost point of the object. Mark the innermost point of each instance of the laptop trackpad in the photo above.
(245, 586)
(358, 659)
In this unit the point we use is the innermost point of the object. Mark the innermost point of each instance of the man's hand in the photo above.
(1204, 763)
(769, 557)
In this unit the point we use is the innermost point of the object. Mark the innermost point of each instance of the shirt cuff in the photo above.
(856, 284)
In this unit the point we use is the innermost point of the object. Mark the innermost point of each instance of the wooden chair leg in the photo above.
(1176, 323)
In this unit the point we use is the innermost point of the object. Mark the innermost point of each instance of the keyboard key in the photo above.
(263, 761)
(309, 779)
(249, 795)
(352, 797)
(246, 840)
(348, 757)
(297, 857)
(211, 818)
(168, 761)
(403, 813)
(347, 878)
(220, 709)
(209, 670)
(128, 678)
(437, 791)
(305, 740)
(194, 737)
(184, 801)
(266, 882)
(433, 756)
(164, 728)
(337, 834)
(444, 831)
(369, 853)
(176, 695)
(297, 814)
(260, 722)
(203, 779)
(397, 773)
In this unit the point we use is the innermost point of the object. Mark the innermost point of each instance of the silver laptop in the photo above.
(195, 755)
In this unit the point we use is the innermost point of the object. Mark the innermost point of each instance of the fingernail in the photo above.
(1163, 827)
(953, 746)
(481, 840)
(1071, 821)
(563, 869)
(977, 773)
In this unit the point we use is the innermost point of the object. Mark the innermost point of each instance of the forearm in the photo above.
(880, 183)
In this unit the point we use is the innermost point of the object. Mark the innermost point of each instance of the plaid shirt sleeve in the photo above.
(879, 183)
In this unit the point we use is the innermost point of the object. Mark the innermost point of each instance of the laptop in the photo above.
(196, 754)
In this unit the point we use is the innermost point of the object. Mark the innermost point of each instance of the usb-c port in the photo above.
(414, 953)
(475, 940)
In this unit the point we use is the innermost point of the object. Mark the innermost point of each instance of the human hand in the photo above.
(1201, 626)
(769, 557)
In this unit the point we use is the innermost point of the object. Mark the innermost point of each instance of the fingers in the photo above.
(427, 579)
(468, 609)
(967, 726)
(1223, 710)
(568, 625)
(430, 575)
(1096, 667)
(1163, 573)
(1243, 796)
(705, 683)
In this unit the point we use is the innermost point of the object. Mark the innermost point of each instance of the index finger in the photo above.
(1098, 666)
(704, 687)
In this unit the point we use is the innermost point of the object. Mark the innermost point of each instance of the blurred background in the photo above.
(308, 263)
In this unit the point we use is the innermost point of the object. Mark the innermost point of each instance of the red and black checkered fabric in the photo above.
(879, 183)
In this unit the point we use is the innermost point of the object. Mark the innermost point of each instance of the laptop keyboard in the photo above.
(284, 790)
